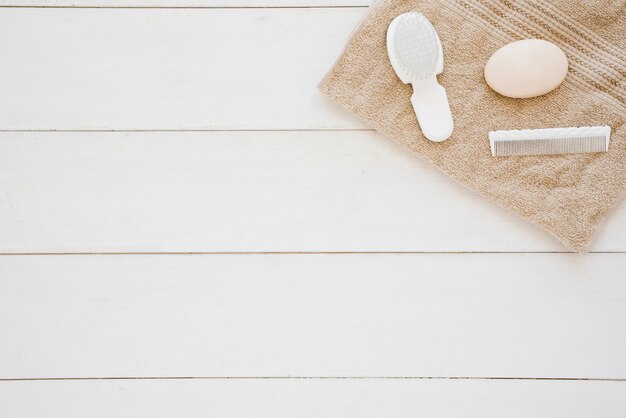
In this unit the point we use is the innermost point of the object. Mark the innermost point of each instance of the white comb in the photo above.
(416, 56)
(550, 141)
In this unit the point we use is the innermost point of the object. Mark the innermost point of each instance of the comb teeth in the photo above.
(550, 141)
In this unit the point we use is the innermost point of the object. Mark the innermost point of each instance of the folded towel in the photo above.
(567, 195)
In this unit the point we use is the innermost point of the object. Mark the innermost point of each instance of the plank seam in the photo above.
(15, 6)
(600, 379)
(187, 130)
(131, 253)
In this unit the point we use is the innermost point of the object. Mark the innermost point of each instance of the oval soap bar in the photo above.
(526, 68)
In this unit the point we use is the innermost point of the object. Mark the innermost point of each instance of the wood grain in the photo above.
(282, 170)
(170, 68)
(245, 192)
(313, 398)
(476, 315)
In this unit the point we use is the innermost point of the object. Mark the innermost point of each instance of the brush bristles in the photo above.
(416, 46)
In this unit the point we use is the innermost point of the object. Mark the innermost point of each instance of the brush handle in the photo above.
(432, 109)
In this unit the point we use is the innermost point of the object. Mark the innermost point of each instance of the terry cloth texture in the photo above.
(567, 195)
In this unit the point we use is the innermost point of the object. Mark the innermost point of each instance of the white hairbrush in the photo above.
(417, 57)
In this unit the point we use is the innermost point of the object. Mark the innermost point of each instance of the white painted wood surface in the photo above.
(245, 191)
(171, 68)
(352, 327)
(505, 315)
(313, 399)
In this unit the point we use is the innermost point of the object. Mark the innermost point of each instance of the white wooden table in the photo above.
(188, 229)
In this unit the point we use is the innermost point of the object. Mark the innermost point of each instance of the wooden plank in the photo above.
(170, 68)
(186, 3)
(313, 398)
(476, 315)
(245, 192)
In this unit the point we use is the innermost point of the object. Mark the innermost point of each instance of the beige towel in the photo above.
(567, 195)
